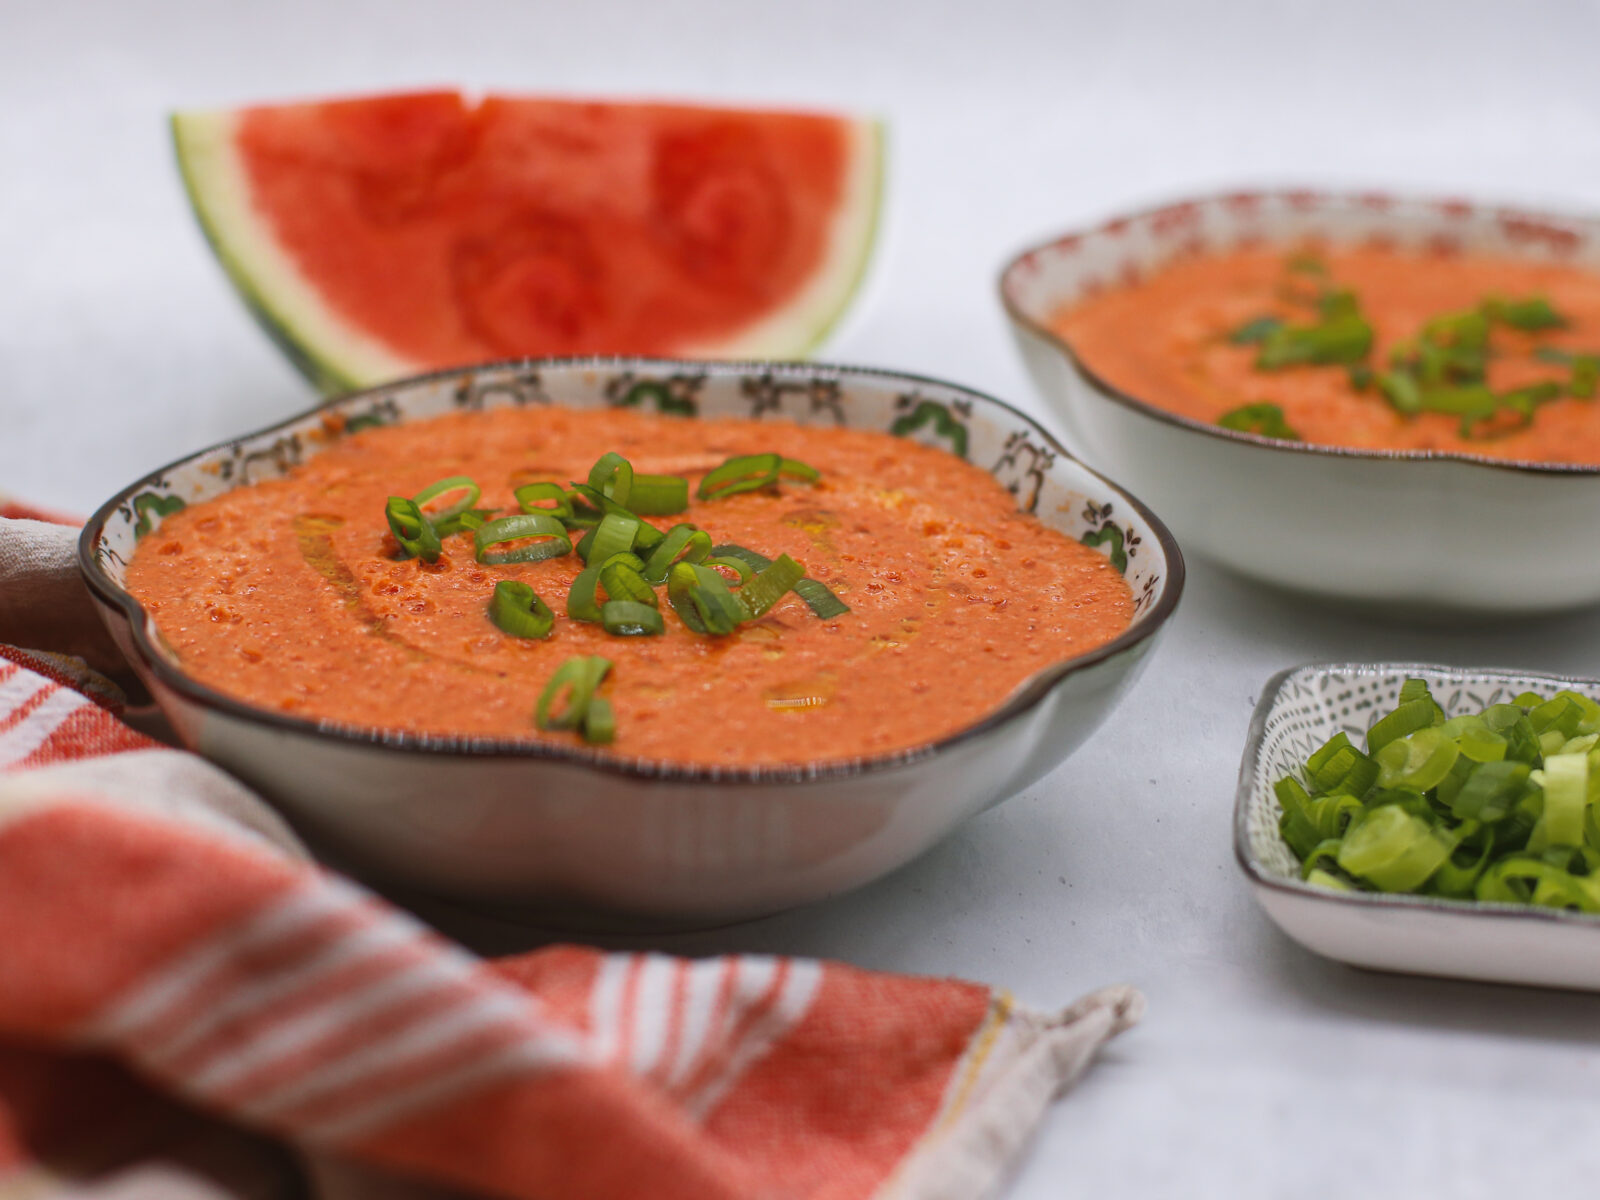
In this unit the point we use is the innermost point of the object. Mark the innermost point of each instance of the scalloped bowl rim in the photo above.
(1041, 329)
(1027, 695)
(1257, 873)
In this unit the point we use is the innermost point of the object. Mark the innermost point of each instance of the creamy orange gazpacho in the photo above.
(1367, 347)
(295, 596)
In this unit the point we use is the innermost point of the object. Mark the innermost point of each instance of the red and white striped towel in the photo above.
(183, 993)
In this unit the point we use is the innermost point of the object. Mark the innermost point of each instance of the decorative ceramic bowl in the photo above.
(508, 822)
(1508, 943)
(1313, 518)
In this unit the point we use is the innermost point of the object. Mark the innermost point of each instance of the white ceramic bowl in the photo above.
(508, 822)
(1508, 943)
(1320, 519)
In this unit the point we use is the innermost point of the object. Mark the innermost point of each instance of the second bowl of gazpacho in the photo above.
(1378, 400)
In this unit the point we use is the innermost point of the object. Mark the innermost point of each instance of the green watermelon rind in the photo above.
(337, 357)
(301, 326)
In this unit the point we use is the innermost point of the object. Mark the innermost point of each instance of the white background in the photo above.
(1259, 1071)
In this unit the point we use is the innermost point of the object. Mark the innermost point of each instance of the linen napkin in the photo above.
(190, 1006)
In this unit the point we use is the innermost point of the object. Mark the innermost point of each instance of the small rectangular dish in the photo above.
(1302, 708)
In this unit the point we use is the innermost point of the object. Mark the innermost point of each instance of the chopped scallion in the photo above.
(517, 609)
(411, 529)
(551, 535)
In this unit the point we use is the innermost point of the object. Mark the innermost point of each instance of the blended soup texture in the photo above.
(292, 594)
(1168, 341)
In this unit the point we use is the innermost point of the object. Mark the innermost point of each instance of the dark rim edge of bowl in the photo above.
(1027, 695)
(1257, 874)
(1110, 391)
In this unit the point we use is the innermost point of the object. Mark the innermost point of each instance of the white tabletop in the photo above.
(1260, 1071)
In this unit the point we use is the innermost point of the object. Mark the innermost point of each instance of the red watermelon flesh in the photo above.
(449, 231)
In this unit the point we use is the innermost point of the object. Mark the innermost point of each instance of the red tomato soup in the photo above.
(1475, 354)
(293, 594)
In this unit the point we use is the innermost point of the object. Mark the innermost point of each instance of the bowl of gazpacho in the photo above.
(671, 639)
(1385, 401)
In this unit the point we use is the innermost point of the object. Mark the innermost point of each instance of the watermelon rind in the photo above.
(805, 322)
(327, 350)
(336, 356)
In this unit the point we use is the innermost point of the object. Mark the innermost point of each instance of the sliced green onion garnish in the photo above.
(599, 722)
(817, 595)
(531, 498)
(614, 535)
(1498, 805)
(1527, 880)
(599, 500)
(576, 681)
(411, 529)
(1253, 333)
(456, 483)
(1472, 403)
(702, 600)
(1477, 741)
(1342, 339)
(1458, 875)
(622, 581)
(1525, 400)
(553, 534)
(469, 521)
(1340, 767)
(793, 468)
(1565, 783)
(583, 603)
(1401, 390)
(628, 618)
(755, 560)
(682, 542)
(612, 476)
(517, 609)
(1338, 303)
(1419, 762)
(1585, 378)
(820, 599)
(743, 473)
(769, 585)
(1264, 419)
(737, 565)
(1294, 825)
(1530, 315)
(1411, 716)
(585, 515)
(1394, 850)
(659, 495)
(750, 472)
(1464, 330)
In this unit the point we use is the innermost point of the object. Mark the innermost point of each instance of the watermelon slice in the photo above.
(383, 236)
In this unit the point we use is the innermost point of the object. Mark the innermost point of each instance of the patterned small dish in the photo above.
(1505, 943)
(1303, 516)
(506, 822)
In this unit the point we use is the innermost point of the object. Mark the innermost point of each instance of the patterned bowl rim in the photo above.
(1357, 901)
(1026, 259)
(1028, 694)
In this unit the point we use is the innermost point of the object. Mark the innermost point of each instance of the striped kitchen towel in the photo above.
(190, 1007)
